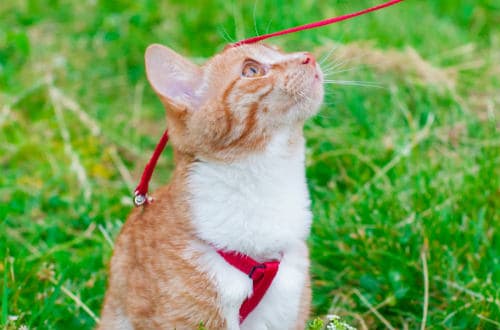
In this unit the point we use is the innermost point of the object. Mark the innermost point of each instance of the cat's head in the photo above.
(233, 104)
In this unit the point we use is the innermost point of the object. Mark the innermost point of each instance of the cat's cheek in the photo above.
(205, 127)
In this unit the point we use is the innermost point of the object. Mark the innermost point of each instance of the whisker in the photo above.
(325, 57)
(329, 105)
(327, 67)
(338, 64)
(254, 19)
(239, 26)
(350, 81)
(324, 116)
(326, 73)
(225, 35)
(339, 81)
(356, 59)
(334, 66)
(354, 83)
(269, 25)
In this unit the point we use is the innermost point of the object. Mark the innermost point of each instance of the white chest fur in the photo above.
(260, 207)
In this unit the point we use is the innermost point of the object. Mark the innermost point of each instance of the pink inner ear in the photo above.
(172, 76)
(183, 90)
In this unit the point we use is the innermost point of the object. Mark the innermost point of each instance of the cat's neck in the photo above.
(259, 205)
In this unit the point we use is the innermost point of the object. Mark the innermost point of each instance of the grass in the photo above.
(404, 177)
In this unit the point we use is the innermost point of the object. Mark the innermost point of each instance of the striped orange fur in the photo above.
(228, 128)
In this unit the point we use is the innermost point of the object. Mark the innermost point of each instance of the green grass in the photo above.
(405, 179)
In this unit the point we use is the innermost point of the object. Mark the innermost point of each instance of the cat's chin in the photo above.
(302, 112)
(316, 99)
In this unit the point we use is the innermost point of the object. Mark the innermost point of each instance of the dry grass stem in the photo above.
(488, 320)
(373, 310)
(416, 140)
(76, 164)
(78, 302)
(106, 235)
(425, 271)
(122, 169)
(469, 292)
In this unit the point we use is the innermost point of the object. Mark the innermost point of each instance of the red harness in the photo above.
(262, 275)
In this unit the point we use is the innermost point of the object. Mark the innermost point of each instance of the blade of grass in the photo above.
(373, 310)
(426, 285)
(5, 294)
(78, 302)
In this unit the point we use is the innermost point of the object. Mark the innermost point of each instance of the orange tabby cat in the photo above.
(239, 185)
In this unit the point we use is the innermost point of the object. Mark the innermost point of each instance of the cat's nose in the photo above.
(309, 59)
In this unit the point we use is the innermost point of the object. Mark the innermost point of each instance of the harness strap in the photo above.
(262, 275)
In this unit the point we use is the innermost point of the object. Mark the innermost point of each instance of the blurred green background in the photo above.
(403, 161)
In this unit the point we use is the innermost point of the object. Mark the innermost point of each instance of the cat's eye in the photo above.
(252, 69)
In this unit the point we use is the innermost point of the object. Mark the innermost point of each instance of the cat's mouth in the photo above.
(318, 75)
(318, 79)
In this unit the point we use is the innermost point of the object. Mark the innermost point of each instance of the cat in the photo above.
(239, 186)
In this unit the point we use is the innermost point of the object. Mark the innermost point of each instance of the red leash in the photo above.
(316, 24)
(140, 194)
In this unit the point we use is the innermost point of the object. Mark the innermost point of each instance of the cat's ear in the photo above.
(174, 78)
